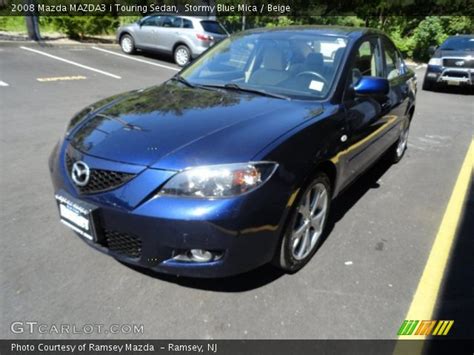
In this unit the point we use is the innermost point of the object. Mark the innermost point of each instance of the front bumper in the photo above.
(137, 227)
(450, 76)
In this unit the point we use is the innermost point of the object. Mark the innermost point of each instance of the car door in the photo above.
(399, 78)
(168, 32)
(365, 115)
(146, 36)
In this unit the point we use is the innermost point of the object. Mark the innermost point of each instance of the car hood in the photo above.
(173, 127)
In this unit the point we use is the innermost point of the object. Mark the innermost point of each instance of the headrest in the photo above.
(273, 59)
(314, 61)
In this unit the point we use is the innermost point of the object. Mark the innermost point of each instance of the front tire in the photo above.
(305, 230)
(127, 44)
(182, 55)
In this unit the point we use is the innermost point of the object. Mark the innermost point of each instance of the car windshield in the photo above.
(292, 64)
(458, 44)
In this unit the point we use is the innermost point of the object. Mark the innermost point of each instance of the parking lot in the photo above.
(360, 284)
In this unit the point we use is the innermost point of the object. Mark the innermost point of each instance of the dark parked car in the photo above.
(233, 162)
(184, 37)
(452, 63)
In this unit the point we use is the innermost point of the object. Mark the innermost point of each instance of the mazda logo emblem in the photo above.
(80, 173)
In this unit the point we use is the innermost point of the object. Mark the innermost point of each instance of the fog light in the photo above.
(197, 255)
(201, 255)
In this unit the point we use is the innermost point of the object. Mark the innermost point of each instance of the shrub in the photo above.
(78, 27)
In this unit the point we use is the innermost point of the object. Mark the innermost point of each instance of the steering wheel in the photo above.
(313, 73)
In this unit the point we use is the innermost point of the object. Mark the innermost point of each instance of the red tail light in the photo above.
(204, 37)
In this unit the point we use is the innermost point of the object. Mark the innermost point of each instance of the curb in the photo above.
(58, 44)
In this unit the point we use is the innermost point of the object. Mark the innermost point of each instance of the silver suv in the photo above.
(184, 37)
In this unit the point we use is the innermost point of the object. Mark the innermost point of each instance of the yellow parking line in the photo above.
(424, 300)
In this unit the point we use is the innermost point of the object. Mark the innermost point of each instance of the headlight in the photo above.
(435, 61)
(217, 181)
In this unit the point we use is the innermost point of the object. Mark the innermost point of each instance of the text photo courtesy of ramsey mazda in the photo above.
(273, 125)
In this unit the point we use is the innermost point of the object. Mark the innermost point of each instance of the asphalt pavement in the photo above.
(359, 285)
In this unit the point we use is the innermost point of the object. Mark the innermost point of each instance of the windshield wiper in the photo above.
(182, 80)
(234, 86)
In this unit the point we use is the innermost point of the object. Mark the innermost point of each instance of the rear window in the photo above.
(213, 27)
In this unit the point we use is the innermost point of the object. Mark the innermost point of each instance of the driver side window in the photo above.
(151, 21)
(366, 61)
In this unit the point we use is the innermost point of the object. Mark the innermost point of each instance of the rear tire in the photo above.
(127, 44)
(182, 55)
(305, 231)
(397, 151)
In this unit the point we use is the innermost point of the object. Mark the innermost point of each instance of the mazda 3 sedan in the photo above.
(233, 162)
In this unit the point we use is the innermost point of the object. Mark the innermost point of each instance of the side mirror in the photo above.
(371, 86)
(431, 50)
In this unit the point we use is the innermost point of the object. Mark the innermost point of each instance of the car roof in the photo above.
(195, 18)
(345, 31)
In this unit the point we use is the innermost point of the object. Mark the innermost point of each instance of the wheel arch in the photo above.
(181, 43)
(327, 167)
(330, 169)
(125, 33)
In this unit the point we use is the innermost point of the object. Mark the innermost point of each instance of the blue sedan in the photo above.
(233, 162)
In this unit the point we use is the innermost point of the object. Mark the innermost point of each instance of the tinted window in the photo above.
(213, 27)
(393, 62)
(151, 21)
(170, 21)
(187, 23)
(458, 44)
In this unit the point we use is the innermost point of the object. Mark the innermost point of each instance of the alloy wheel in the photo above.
(402, 142)
(127, 45)
(310, 220)
(182, 56)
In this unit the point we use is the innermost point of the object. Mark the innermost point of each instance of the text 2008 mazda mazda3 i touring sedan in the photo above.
(233, 162)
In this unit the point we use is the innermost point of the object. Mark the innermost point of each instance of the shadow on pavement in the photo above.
(456, 298)
(267, 273)
(157, 56)
(456, 90)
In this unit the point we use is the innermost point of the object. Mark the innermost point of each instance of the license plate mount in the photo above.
(80, 216)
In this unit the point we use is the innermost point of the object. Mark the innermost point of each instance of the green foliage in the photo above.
(78, 27)
(429, 32)
(281, 21)
(12, 23)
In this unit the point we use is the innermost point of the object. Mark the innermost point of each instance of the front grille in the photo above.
(456, 74)
(461, 63)
(123, 243)
(100, 180)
